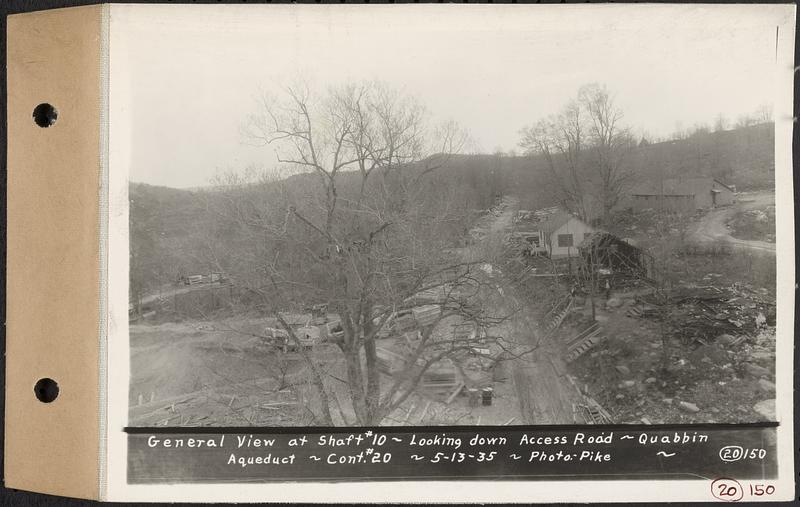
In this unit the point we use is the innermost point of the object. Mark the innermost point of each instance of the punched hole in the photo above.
(46, 390)
(45, 115)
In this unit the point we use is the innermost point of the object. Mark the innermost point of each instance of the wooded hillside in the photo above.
(170, 226)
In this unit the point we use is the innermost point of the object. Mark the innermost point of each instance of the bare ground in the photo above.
(214, 373)
(544, 394)
(716, 378)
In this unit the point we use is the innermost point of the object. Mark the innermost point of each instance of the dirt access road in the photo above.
(712, 227)
(544, 393)
(207, 373)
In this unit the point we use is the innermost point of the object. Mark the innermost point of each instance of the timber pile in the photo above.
(390, 361)
(404, 322)
(590, 410)
(442, 383)
(213, 408)
(556, 316)
(426, 315)
(642, 309)
(465, 331)
(583, 341)
(594, 413)
(434, 379)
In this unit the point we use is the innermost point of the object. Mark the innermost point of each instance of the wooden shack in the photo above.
(603, 250)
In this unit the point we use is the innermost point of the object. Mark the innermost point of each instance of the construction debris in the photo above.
(701, 314)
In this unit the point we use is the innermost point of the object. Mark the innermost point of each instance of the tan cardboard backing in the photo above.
(53, 252)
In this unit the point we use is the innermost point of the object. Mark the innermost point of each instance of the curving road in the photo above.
(712, 228)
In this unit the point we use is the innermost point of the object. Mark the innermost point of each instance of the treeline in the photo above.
(744, 156)
(172, 231)
(170, 227)
(164, 225)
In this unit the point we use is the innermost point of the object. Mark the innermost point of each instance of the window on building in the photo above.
(564, 240)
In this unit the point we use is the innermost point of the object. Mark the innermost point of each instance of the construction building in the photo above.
(681, 195)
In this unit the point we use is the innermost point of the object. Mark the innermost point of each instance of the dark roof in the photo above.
(592, 238)
(603, 238)
(675, 186)
(296, 319)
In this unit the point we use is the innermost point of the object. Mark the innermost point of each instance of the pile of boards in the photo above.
(700, 314)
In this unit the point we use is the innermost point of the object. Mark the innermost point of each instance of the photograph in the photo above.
(357, 218)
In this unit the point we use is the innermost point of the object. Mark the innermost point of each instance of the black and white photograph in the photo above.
(352, 218)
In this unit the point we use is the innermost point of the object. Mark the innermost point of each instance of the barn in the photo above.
(681, 195)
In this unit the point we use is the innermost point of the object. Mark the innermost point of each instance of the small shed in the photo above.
(603, 250)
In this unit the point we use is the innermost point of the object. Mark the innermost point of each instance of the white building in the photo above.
(561, 233)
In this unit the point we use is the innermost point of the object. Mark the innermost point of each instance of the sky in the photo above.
(186, 77)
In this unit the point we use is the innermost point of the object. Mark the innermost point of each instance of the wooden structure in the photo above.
(549, 232)
(557, 314)
(426, 315)
(442, 381)
(390, 361)
(594, 413)
(603, 250)
(681, 195)
(585, 340)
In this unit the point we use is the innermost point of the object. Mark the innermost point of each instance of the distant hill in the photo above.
(744, 157)
(169, 226)
(167, 210)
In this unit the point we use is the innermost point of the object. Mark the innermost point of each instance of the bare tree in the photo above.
(560, 140)
(764, 113)
(745, 120)
(720, 123)
(585, 149)
(363, 233)
(611, 142)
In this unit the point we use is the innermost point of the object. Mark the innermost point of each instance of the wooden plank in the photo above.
(454, 393)
(577, 341)
(424, 412)
(559, 371)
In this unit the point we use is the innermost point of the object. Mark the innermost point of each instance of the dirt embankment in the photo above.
(207, 373)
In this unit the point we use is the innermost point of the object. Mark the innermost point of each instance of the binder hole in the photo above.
(45, 115)
(46, 390)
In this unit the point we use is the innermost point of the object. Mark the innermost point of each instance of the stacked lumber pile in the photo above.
(583, 341)
(556, 316)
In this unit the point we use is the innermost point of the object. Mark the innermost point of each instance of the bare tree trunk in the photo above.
(373, 375)
(316, 375)
(355, 381)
